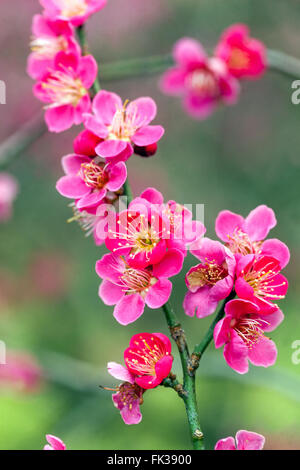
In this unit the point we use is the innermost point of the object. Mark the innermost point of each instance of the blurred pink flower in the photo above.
(8, 192)
(54, 443)
(20, 372)
(64, 89)
(244, 440)
(75, 11)
(202, 82)
(245, 57)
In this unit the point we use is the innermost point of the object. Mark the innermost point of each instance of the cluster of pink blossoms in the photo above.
(205, 82)
(149, 238)
(250, 266)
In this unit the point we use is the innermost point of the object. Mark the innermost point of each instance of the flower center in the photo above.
(208, 273)
(70, 8)
(86, 221)
(129, 393)
(136, 280)
(47, 47)
(239, 242)
(144, 357)
(93, 175)
(62, 89)
(123, 125)
(262, 281)
(238, 59)
(203, 83)
(249, 329)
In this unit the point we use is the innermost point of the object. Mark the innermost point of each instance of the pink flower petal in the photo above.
(110, 293)
(72, 186)
(276, 249)
(226, 223)
(170, 265)
(129, 309)
(225, 444)
(199, 303)
(60, 118)
(159, 293)
(92, 199)
(55, 442)
(114, 150)
(173, 81)
(259, 222)
(153, 196)
(105, 105)
(120, 372)
(87, 70)
(263, 353)
(147, 135)
(189, 53)
(72, 163)
(236, 354)
(117, 176)
(142, 110)
(272, 320)
(247, 440)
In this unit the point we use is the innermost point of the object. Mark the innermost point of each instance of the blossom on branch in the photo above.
(75, 11)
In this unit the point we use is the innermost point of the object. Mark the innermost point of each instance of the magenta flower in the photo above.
(241, 332)
(245, 57)
(54, 443)
(8, 192)
(88, 182)
(128, 396)
(258, 280)
(246, 236)
(211, 280)
(244, 440)
(85, 143)
(49, 37)
(122, 126)
(202, 82)
(180, 230)
(64, 89)
(149, 358)
(75, 11)
(129, 289)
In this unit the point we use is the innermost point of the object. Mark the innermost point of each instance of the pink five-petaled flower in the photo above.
(54, 443)
(129, 289)
(211, 280)
(258, 279)
(122, 126)
(8, 192)
(180, 228)
(64, 89)
(245, 236)
(203, 82)
(149, 358)
(245, 57)
(88, 182)
(128, 396)
(49, 38)
(75, 11)
(242, 332)
(244, 440)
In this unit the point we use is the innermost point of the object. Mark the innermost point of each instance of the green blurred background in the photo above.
(241, 157)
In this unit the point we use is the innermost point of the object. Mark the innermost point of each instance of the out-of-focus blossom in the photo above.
(211, 280)
(246, 235)
(8, 192)
(88, 182)
(244, 440)
(128, 396)
(202, 82)
(54, 443)
(245, 57)
(75, 11)
(149, 358)
(64, 89)
(122, 125)
(49, 38)
(129, 289)
(258, 279)
(20, 372)
(241, 332)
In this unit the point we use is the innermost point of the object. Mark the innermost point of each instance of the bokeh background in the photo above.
(58, 334)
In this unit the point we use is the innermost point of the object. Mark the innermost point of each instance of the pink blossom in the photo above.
(128, 396)
(242, 332)
(258, 279)
(129, 289)
(85, 143)
(211, 280)
(21, 372)
(8, 192)
(245, 57)
(178, 221)
(244, 440)
(149, 358)
(54, 443)
(202, 82)
(64, 89)
(246, 236)
(75, 11)
(49, 37)
(122, 125)
(88, 182)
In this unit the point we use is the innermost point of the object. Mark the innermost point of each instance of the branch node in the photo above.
(193, 363)
(178, 335)
(197, 434)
